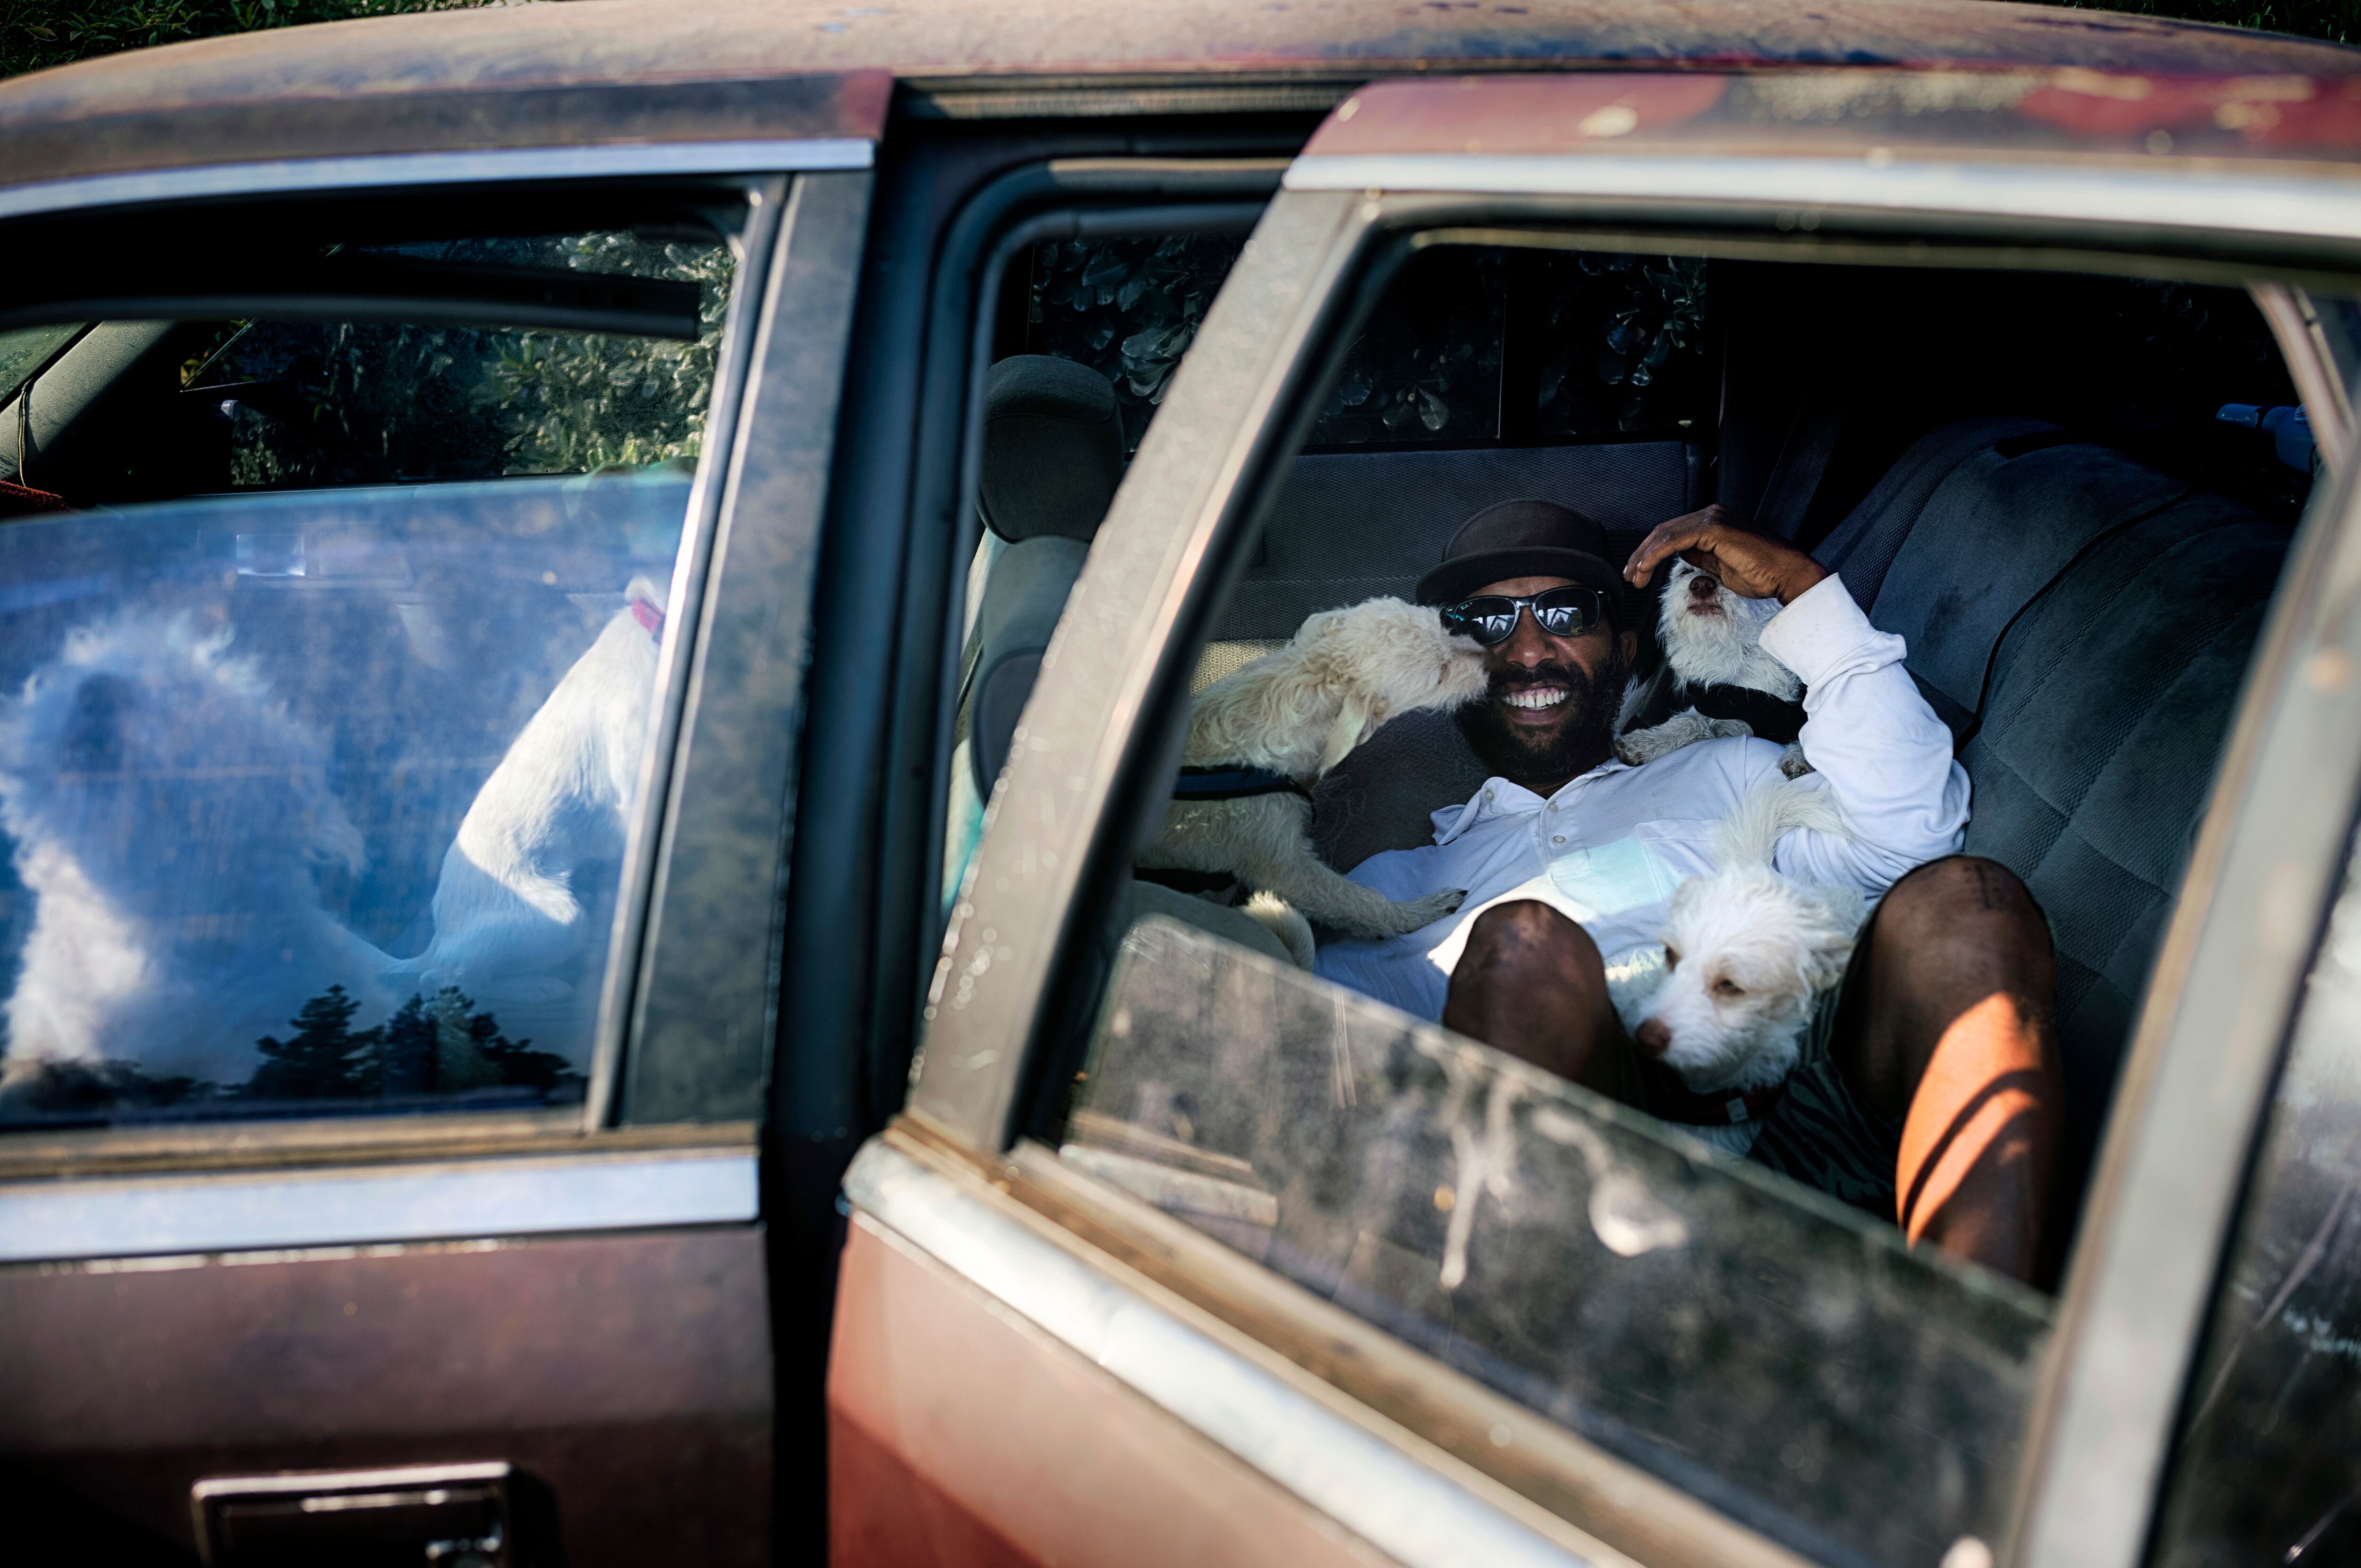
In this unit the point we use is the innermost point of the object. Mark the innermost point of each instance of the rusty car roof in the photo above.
(639, 71)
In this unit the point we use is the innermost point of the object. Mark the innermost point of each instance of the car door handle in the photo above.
(489, 1515)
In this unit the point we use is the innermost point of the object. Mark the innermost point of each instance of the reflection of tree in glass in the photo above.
(436, 1045)
(361, 402)
(1127, 307)
(1427, 365)
(325, 1059)
(1623, 343)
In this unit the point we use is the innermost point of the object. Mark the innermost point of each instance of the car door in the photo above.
(1179, 1254)
(411, 570)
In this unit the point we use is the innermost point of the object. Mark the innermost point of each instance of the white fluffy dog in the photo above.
(170, 817)
(1711, 637)
(514, 924)
(1298, 712)
(1747, 954)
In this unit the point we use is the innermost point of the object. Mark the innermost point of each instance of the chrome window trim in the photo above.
(307, 175)
(101, 1217)
(2272, 203)
(1418, 1513)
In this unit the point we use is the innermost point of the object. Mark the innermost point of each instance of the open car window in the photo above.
(1772, 1346)
(331, 634)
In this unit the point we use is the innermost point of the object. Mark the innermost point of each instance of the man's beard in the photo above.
(1582, 740)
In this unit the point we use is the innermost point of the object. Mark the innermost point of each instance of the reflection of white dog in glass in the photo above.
(170, 817)
(512, 927)
(1296, 714)
(1714, 659)
(1748, 952)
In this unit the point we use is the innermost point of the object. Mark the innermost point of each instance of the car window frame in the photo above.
(780, 369)
(1178, 531)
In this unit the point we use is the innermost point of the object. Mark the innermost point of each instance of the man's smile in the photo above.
(1534, 698)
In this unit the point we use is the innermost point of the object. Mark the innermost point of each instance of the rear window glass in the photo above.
(326, 655)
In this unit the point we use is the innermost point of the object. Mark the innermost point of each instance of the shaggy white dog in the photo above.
(1747, 954)
(170, 816)
(1298, 712)
(514, 926)
(1711, 637)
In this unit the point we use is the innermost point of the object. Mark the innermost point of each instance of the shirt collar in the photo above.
(1499, 797)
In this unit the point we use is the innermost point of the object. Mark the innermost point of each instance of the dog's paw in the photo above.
(1412, 914)
(1728, 730)
(1794, 764)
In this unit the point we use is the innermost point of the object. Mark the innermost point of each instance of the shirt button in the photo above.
(1487, 794)
(1559, 840)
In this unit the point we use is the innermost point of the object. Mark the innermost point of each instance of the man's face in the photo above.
(1550, 711)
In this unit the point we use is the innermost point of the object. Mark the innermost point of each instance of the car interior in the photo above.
(2066, 490)
(2064, 433)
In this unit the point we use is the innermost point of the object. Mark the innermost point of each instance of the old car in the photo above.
(600, 601)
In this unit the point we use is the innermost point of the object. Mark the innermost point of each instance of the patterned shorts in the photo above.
(1821, 1133)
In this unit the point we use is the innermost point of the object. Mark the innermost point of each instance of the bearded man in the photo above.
(1928, 1091)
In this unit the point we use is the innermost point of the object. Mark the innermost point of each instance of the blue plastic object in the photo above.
(2289, 428)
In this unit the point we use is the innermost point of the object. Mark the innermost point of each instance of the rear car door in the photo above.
(411, 572)
(1179, 1253)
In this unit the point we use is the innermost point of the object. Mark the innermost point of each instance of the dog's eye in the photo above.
(1726, 986)
(1672, 957)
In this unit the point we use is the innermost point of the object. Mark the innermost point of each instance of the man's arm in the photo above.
(1872, 740)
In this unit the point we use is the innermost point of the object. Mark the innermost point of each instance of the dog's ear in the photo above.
(1352, 724)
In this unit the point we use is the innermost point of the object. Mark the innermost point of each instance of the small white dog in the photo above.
(1748, 953)
(1712, 638)
(514, 924)
(1296, 714)
(170, 817)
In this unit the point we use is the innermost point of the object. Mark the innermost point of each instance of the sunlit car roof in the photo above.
(651, 69)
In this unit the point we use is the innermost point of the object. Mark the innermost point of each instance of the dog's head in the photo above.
(1748, 953)
(1345, 671)
(1382, 658)
(162, 767)
(1712, 637)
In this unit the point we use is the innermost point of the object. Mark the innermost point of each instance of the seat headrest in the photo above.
(1052, 448)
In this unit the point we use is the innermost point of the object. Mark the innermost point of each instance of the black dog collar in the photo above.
(1233, 782)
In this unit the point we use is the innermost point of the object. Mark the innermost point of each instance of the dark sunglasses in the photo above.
(1492, 618)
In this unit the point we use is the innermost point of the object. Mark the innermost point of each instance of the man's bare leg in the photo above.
(1532, 983)
(1952, 1037)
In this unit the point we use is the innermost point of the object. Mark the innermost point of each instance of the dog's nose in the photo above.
(1702, 587)
(1654, 1038)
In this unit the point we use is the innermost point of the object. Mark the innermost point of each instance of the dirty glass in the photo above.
(323, 723)
(2266, 1466)
(1768, 1350)
(23, 352)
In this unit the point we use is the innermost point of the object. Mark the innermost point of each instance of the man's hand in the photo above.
(1749, 565)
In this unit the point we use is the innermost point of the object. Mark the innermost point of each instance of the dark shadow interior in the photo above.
(2022, 473)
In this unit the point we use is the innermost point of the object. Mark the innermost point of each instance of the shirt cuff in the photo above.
(1823, 631)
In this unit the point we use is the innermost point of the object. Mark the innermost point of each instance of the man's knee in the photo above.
(1528, 925)
(1965, 905)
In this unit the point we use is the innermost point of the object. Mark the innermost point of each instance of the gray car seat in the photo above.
(2082, 623)
(1052, 457)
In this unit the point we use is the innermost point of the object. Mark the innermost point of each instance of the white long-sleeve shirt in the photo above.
(1608, 848)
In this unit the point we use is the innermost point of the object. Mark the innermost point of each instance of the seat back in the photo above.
(2083, 624)
(1053, 454)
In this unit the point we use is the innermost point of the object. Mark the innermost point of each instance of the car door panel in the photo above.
(581, 1295)
(613, 1368)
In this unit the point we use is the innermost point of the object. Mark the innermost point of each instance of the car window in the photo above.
(1706, 1274)
(1474, 345)
(2263, 1468)
(25, 350)
(328, 657)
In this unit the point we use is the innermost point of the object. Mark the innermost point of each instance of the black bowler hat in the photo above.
(1524, 539)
